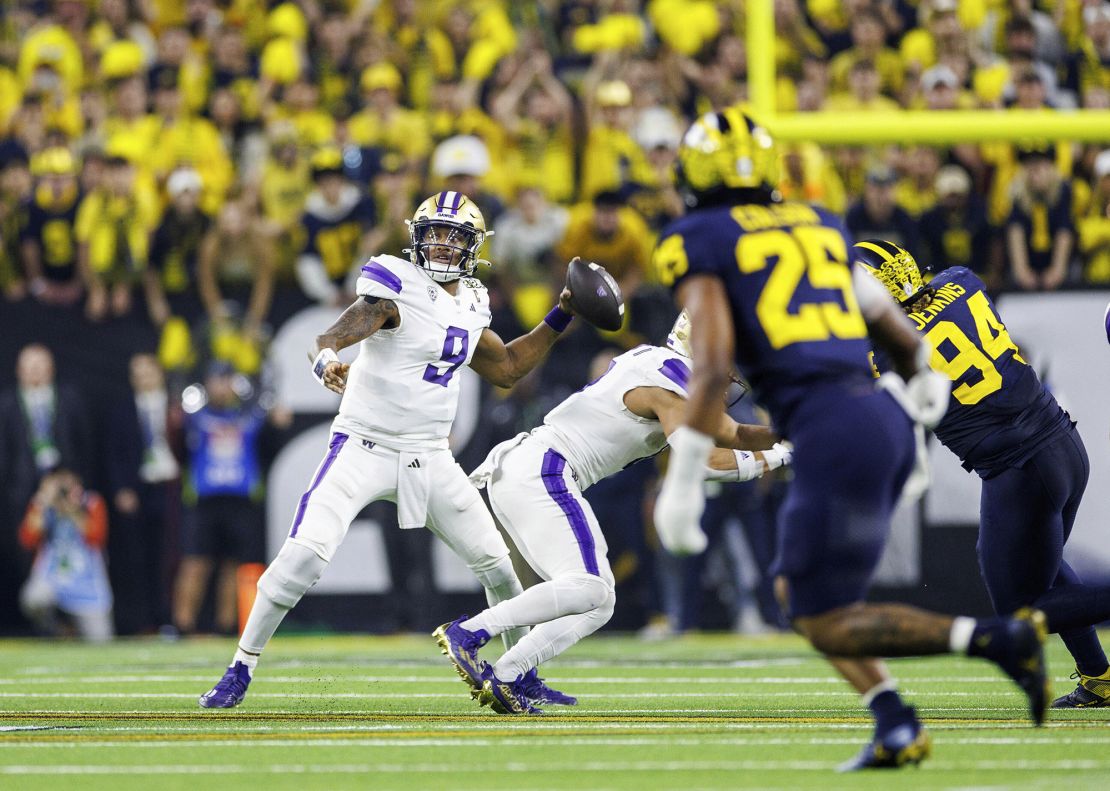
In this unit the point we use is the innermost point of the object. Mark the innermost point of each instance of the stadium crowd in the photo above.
(198, 171)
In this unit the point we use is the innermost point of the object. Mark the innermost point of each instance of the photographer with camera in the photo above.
(67, 526)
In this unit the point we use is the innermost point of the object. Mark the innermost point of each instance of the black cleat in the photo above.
(1016, 645)
(1092, 692)
(907, 744)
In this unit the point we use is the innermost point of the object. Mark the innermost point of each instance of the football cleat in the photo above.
(1016, 645)
(505, 697)
(461, 647)
(1092, 692)
(908, 743)
(539, 692)
(229, 690)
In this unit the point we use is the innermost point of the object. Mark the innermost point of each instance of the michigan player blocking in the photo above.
(535, 483)
(416, 321)
(1004, 424)
(769, 288)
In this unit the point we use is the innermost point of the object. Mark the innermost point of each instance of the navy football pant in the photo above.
(1027, 514)
(853, 450)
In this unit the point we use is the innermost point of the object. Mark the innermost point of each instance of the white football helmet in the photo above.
(447, 232)
(678, 339)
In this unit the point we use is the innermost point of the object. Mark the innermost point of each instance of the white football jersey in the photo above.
(403, 388)
(593, 429)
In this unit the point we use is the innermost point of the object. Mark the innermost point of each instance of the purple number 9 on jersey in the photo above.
(455, 347)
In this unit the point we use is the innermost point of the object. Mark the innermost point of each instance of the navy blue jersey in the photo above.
(785, 268)
(334, 237)
(50, 226)
(999, 413)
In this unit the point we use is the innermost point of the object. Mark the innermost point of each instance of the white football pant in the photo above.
(535, 496)
(353, 474)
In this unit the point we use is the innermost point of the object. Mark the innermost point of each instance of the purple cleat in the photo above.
(461, 647)
(229, 690)
(505, 697)
(539, 692)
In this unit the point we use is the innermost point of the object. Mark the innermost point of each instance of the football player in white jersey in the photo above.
(535, 483)
(417, 321)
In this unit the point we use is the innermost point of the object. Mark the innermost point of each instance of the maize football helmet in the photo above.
(447, 231)
(723, 151)
(893, 266)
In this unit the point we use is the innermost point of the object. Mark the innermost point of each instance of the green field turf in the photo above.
(704, 712)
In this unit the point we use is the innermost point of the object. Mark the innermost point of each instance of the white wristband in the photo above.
(747, 468)
(321, 362)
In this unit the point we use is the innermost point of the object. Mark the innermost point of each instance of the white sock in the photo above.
(883, 686)
(265, 617)
(960, 637)
(248, 658)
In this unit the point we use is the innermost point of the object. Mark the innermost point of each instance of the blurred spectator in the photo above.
(1094, 48)
(1040, 233)
(185, 138)
(337, 218)
(955, 232)
(1093, 227)
(333, 63)
(42, 425)
(244, 142)
(1022, 57)
(864, 91)
(924, 47)
(15, 186)
(48, 245)
(224, 522)
(170, 281)
(300, 105)
(914, 191)
(383, 124)
(808, 176)
(609, 233)
(112, 231)
(611, 159)
(236, 264)
(535, 109)
(285, 181)
(877, 216)
(67, 527)
(143, 481)
(523, 251)
(657, 201)
(868, 44)
(940, 88)
(459, 163)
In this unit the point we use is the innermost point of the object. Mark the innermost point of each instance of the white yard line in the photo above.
(562, 741)
(469, 767)
(443, 678)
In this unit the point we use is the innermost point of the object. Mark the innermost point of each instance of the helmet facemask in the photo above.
(446, 250)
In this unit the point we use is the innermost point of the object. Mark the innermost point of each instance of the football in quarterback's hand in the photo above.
(595, 295)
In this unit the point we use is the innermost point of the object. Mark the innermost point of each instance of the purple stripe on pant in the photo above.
(552, 474)
(336, 444)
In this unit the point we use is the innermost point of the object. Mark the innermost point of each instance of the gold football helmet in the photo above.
(726, 150)
(447, 231)
(893, 266)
